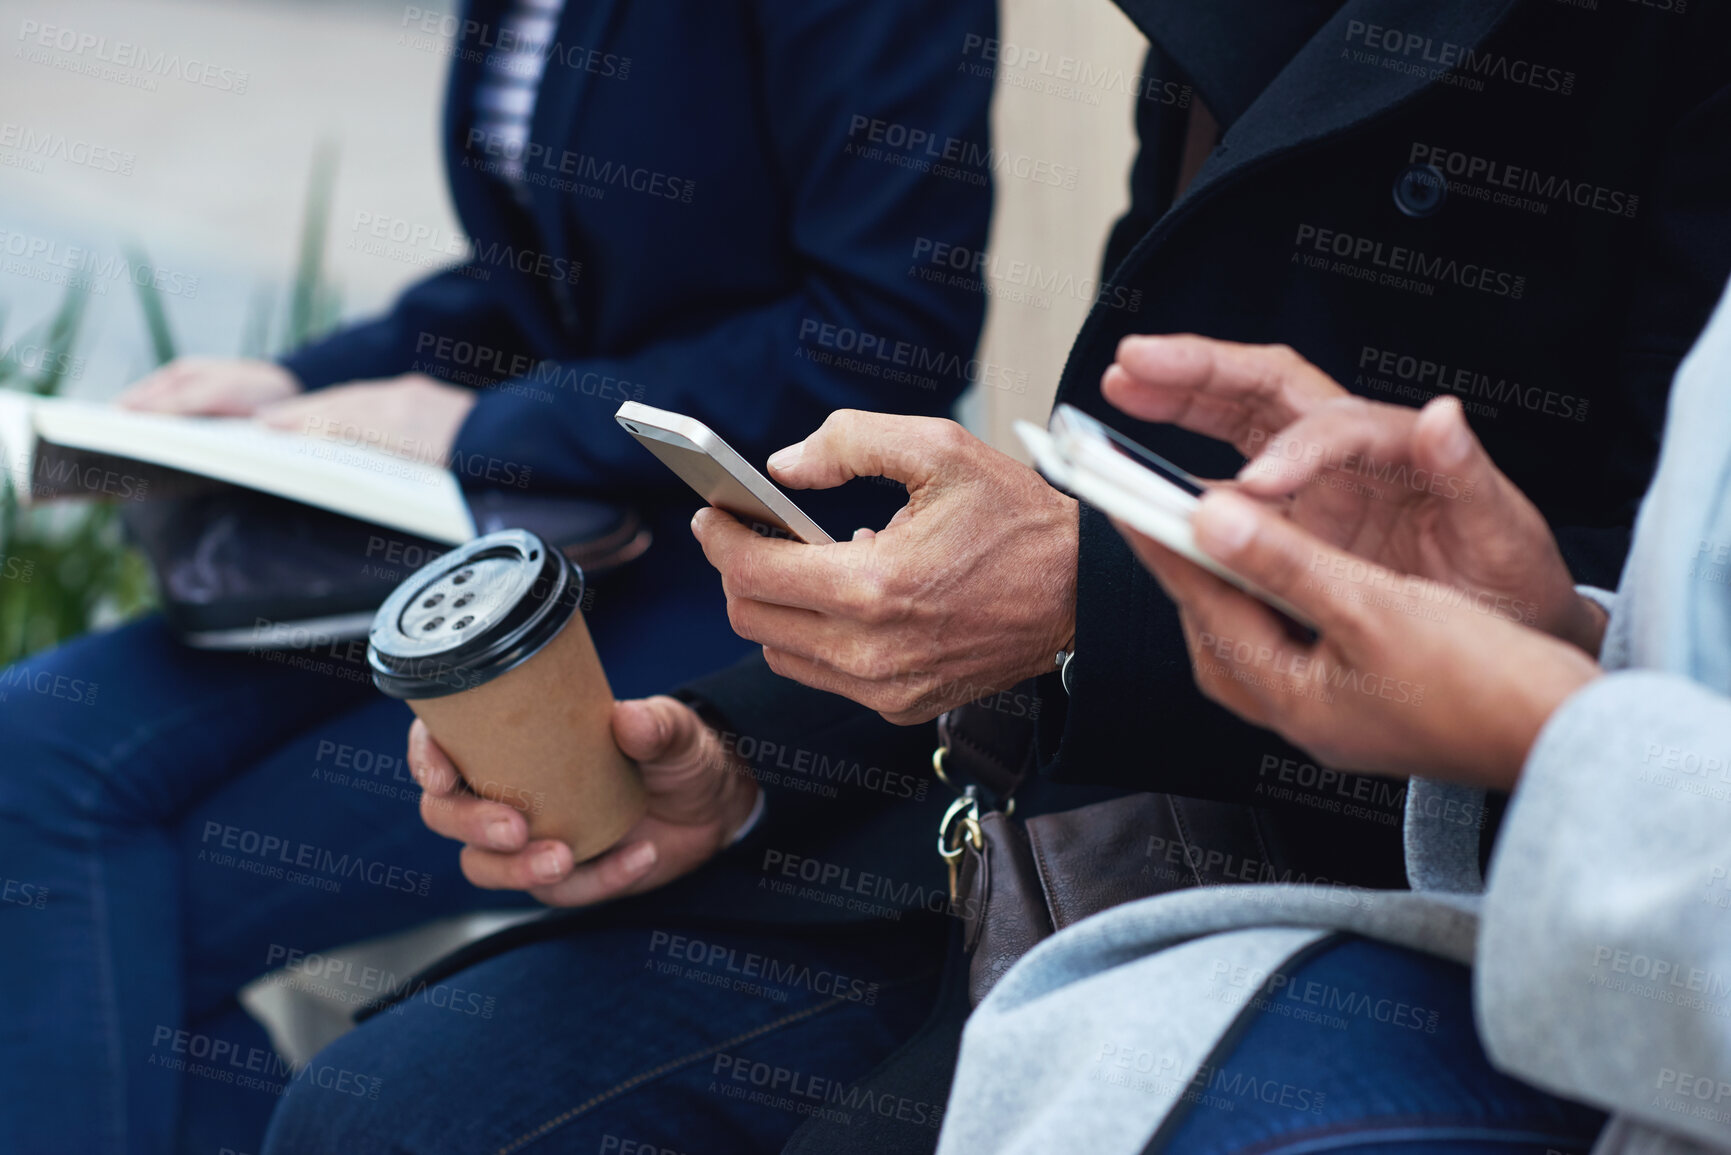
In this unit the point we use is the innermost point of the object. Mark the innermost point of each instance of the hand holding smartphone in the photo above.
(719, 475)
(1140, 488)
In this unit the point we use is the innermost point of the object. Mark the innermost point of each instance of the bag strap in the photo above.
(985, 752)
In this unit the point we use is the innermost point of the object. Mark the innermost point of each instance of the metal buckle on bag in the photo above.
(959, 829)
(938, 757)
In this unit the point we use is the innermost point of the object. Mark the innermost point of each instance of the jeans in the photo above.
(175, 823)
(646, 1039)
(1368, 1047)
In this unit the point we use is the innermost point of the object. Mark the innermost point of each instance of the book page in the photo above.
(357, 481)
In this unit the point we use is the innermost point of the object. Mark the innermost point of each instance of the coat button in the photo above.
(1420, 189)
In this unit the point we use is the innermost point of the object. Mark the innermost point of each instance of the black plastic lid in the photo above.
(463, 619)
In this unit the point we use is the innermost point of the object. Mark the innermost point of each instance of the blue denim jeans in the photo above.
(174, 824)
(1368, 1047)
(642, 1039)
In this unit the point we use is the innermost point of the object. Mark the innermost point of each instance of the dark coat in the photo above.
(706, 231)
(1583, 237)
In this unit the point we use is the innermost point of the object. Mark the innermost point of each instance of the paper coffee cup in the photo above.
(488, 648)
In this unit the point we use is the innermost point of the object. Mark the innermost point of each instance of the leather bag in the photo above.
(1015, 882)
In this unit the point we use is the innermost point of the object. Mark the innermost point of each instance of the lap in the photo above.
(696, 1041)
(129, 726)
(1369, 1047)
(318, 844)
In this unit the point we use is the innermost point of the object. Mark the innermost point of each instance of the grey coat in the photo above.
(1600, 944)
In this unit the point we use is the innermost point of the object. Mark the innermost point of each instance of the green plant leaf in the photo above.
(155, 313)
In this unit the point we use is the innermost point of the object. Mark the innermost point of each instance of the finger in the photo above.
(796, 631)
(539, 864)
(1237, 393)
(624, 869)
(475, 821)
(1445, 444)
(903, 700)
(772, 569)
(1367, 439)
(143, 392)
(429, 763)
(173, 388)
(658, 730)
(294, 415)
(1274, 554)
(854, 443)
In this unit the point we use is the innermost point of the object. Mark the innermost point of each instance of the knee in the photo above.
(345, 1099)
(45, 779)
(60, 752)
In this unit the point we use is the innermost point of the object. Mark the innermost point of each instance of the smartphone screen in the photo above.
(1067, 418)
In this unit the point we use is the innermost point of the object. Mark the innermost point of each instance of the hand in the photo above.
(969, 589)
(1411, 490)
(211, 387)
(698, 798)
(1401, 680)
(412, 416)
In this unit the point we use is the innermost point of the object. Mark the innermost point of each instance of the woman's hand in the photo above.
(1411, 490)
(1406, 676)
(211, 387)
(413, 416)
(699, 796)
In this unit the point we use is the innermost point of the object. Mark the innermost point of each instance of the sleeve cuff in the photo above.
(751, 820)
(1604, 599)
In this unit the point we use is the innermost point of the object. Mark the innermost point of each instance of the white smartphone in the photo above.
(719, 475)
(1100, 466)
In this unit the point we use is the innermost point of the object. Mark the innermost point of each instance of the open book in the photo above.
(52, 447)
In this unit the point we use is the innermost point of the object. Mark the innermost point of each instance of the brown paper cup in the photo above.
(540, 738)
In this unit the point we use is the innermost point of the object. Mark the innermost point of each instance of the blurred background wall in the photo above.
(211, 182)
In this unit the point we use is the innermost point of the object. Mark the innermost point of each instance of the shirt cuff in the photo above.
(1605, 599)
(752, 819)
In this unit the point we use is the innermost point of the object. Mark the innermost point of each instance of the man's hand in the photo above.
(969, 589)
(1405, 677)
(698, 798)
(211, 387)
(1412, 490)
(412, 416)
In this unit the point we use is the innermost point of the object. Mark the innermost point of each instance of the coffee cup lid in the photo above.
(472, 614)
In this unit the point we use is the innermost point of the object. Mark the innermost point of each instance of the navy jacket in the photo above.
(709, 230)
(1582, 239)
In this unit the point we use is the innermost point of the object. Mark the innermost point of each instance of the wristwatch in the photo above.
(1065, 657)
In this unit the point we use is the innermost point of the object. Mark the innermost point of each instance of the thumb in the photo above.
(657, 730)
(1444, 443)
(1259, 545)
(852, 443)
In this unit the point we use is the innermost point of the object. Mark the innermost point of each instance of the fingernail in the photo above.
(639, 858)
(501, 833)
(1458, 442)
(1262, 469)
(548, 865)
(1224, 524)
(784, 459)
